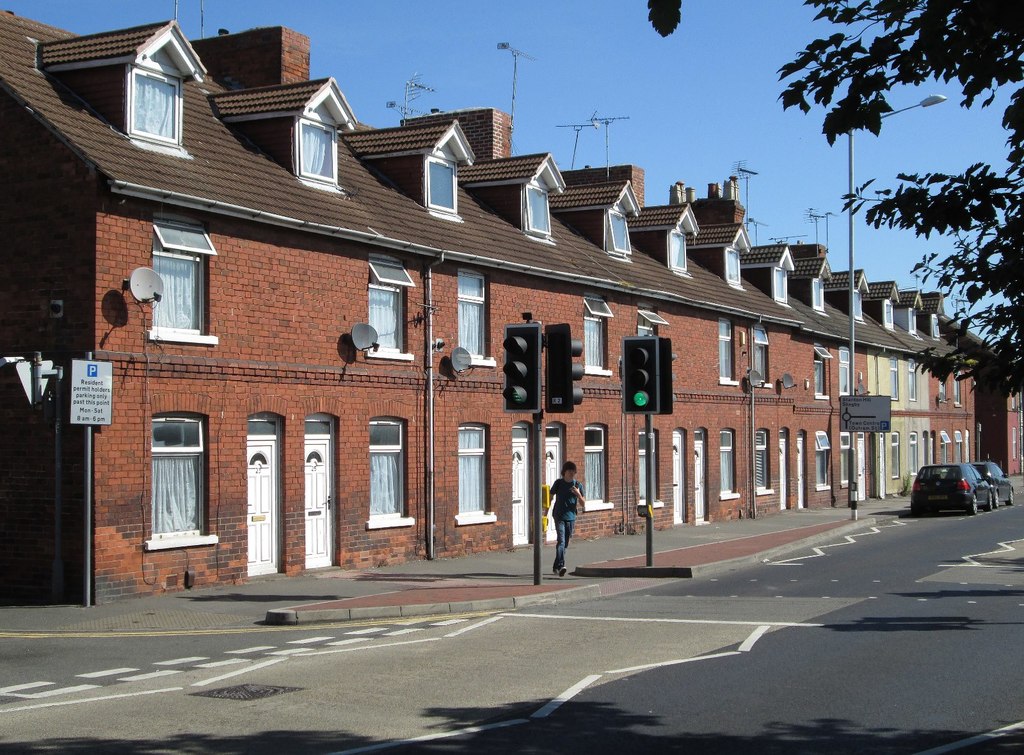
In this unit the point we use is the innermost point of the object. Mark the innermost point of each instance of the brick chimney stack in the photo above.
(488, 130)
(585, 176)
(256, 58)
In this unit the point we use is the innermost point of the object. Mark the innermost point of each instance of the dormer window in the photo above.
(441, 184)
(538, 221)
(780, 289)
(858, 305)
(318, 151)
(912, 321)
(935, 326)
(732, 267)
(818, 294)
(155, 107)
(677, 251)
(887, 314)
(616, 233)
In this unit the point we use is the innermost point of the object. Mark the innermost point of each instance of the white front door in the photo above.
(262, 513)
(883, 444)
(783, 469)
(699, 505)
(520, 485)
(801, 501)
(861, 472)
(318, 501)
(552, 467)
(678, 476)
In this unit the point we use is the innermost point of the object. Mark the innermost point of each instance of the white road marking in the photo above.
(179, 661)
(986, 737)
(246, 670)
(661, 621)
(309, 640)
(291, 651)
(372, 647)
(58, 691)
(218, 664)
(398, 632)
(108, 672)
(479, 624)
(431, 737)
(565, 697)
(448, 622)
(1006, 547)
(349, 641)
(818, 552)
(754, 637)
(676, 662)
(255, 649)
(90, 700)
(29, 685)
(368, 630)
(150, 675)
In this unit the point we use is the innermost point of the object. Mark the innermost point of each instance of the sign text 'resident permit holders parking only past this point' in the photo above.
(92, 392)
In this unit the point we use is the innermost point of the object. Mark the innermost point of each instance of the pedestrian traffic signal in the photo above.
(562, 371)
(646, 375)
(522, 367)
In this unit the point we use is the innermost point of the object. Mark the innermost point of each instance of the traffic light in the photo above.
(522, 367)
(562, 371)
(646, 375)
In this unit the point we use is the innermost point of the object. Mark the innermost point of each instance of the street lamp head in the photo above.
(934, 99)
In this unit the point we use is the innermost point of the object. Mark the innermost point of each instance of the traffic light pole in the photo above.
(649, 473)
(536, 492)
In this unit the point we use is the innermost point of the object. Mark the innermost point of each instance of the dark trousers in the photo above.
(564, 528)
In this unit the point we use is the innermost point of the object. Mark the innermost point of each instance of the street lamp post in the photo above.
(851, 486)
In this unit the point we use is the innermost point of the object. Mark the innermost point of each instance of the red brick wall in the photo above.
(506, 201)
(587, 176)
(103, 89)
(275, 136)
(488, 130)
(405, 172)
(255, 58)
(718, 211)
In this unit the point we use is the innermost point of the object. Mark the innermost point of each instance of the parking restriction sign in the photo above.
(92, 392)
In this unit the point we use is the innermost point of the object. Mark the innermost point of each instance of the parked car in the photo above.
(1002, 487)
(950, 486)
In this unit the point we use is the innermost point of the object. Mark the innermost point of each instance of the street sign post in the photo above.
(865, 414)
(92, 392)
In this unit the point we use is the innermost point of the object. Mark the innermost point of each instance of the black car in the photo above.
(950, 486)
(995, 476)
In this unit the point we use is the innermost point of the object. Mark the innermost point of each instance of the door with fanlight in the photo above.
(263, 505)
(520, 484)
(319, 509)
(678, 476)
(700, 512)
(553, 435)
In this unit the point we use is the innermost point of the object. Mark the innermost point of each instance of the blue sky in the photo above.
(695, 103)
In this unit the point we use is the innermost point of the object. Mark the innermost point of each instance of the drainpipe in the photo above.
(428, 306)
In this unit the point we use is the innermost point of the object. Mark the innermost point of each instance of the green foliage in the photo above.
(978, 46)
(905, 485)
(664, 15)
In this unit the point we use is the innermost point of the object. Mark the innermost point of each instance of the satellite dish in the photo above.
(461, 359)
(787, 380)
(364, 336)
(755, 377)
(146, 285)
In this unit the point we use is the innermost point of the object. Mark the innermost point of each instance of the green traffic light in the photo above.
(640, 398)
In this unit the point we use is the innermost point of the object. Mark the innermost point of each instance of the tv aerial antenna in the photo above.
(756, 223)
(607, 121)
(740, 169)
(814, 216)
(786, 239)
(592, 123)
(516, 55)
(414, 88)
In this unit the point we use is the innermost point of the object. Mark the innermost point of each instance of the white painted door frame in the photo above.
(520, 484)
(262, 519)
(319, 501)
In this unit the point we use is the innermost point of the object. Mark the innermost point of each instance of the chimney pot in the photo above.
(691, 195)
(714, 191)
(677, 193)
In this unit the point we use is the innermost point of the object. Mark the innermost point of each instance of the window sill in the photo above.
(394, 356)
(822, 488)
(727, 381)
(543, 238)
(597, 506)
(728, 496)
(170, 335)
(389, 521)
(476, 517)
(179, 541)
(328, 185)
(449, 215)
(597, 371)
(765, 491)
(821, 397)
(476, 361)
(163, 148)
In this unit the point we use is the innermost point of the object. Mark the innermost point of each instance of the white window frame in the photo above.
(184, 242)
(332, 132)
(762, 481)
(913, 452)
(676, 249)
(858, 305)
(844, 458)
(818, 294)
(641, 468)
(945, 442)
(193, 536)
(894, 455)
(479, 456)
(934, 326)
(391, 518)
(726, 463)
(613, 219)
(942, 390)
(647, 321)
(726, 373)
(389, 274)
(887, 319)
(133, 130)
(760, 351)
(958, 447)
(957, 391)
(912, 321)
(894, 378)
(780, 285)
(429, 184)
(597, 312)
(845, 370)
(911, 380)
(822, 449)
(532, 227)
(820, 355)
(596, 489)
(732, 267)
(480, 302)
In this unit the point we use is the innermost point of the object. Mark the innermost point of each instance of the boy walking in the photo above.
(566, 492)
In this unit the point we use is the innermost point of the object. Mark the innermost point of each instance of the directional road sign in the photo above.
(865, 414)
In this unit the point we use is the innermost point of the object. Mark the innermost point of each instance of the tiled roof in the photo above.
(588, 195)
(389, 141)
(511, 169)
(931, 303)
(762, 255)
(909, 297)
(115, 44)
(881, 290)
(841, 280)
(658, 216)
(717, 235)
(811, 267)
(282, 98)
